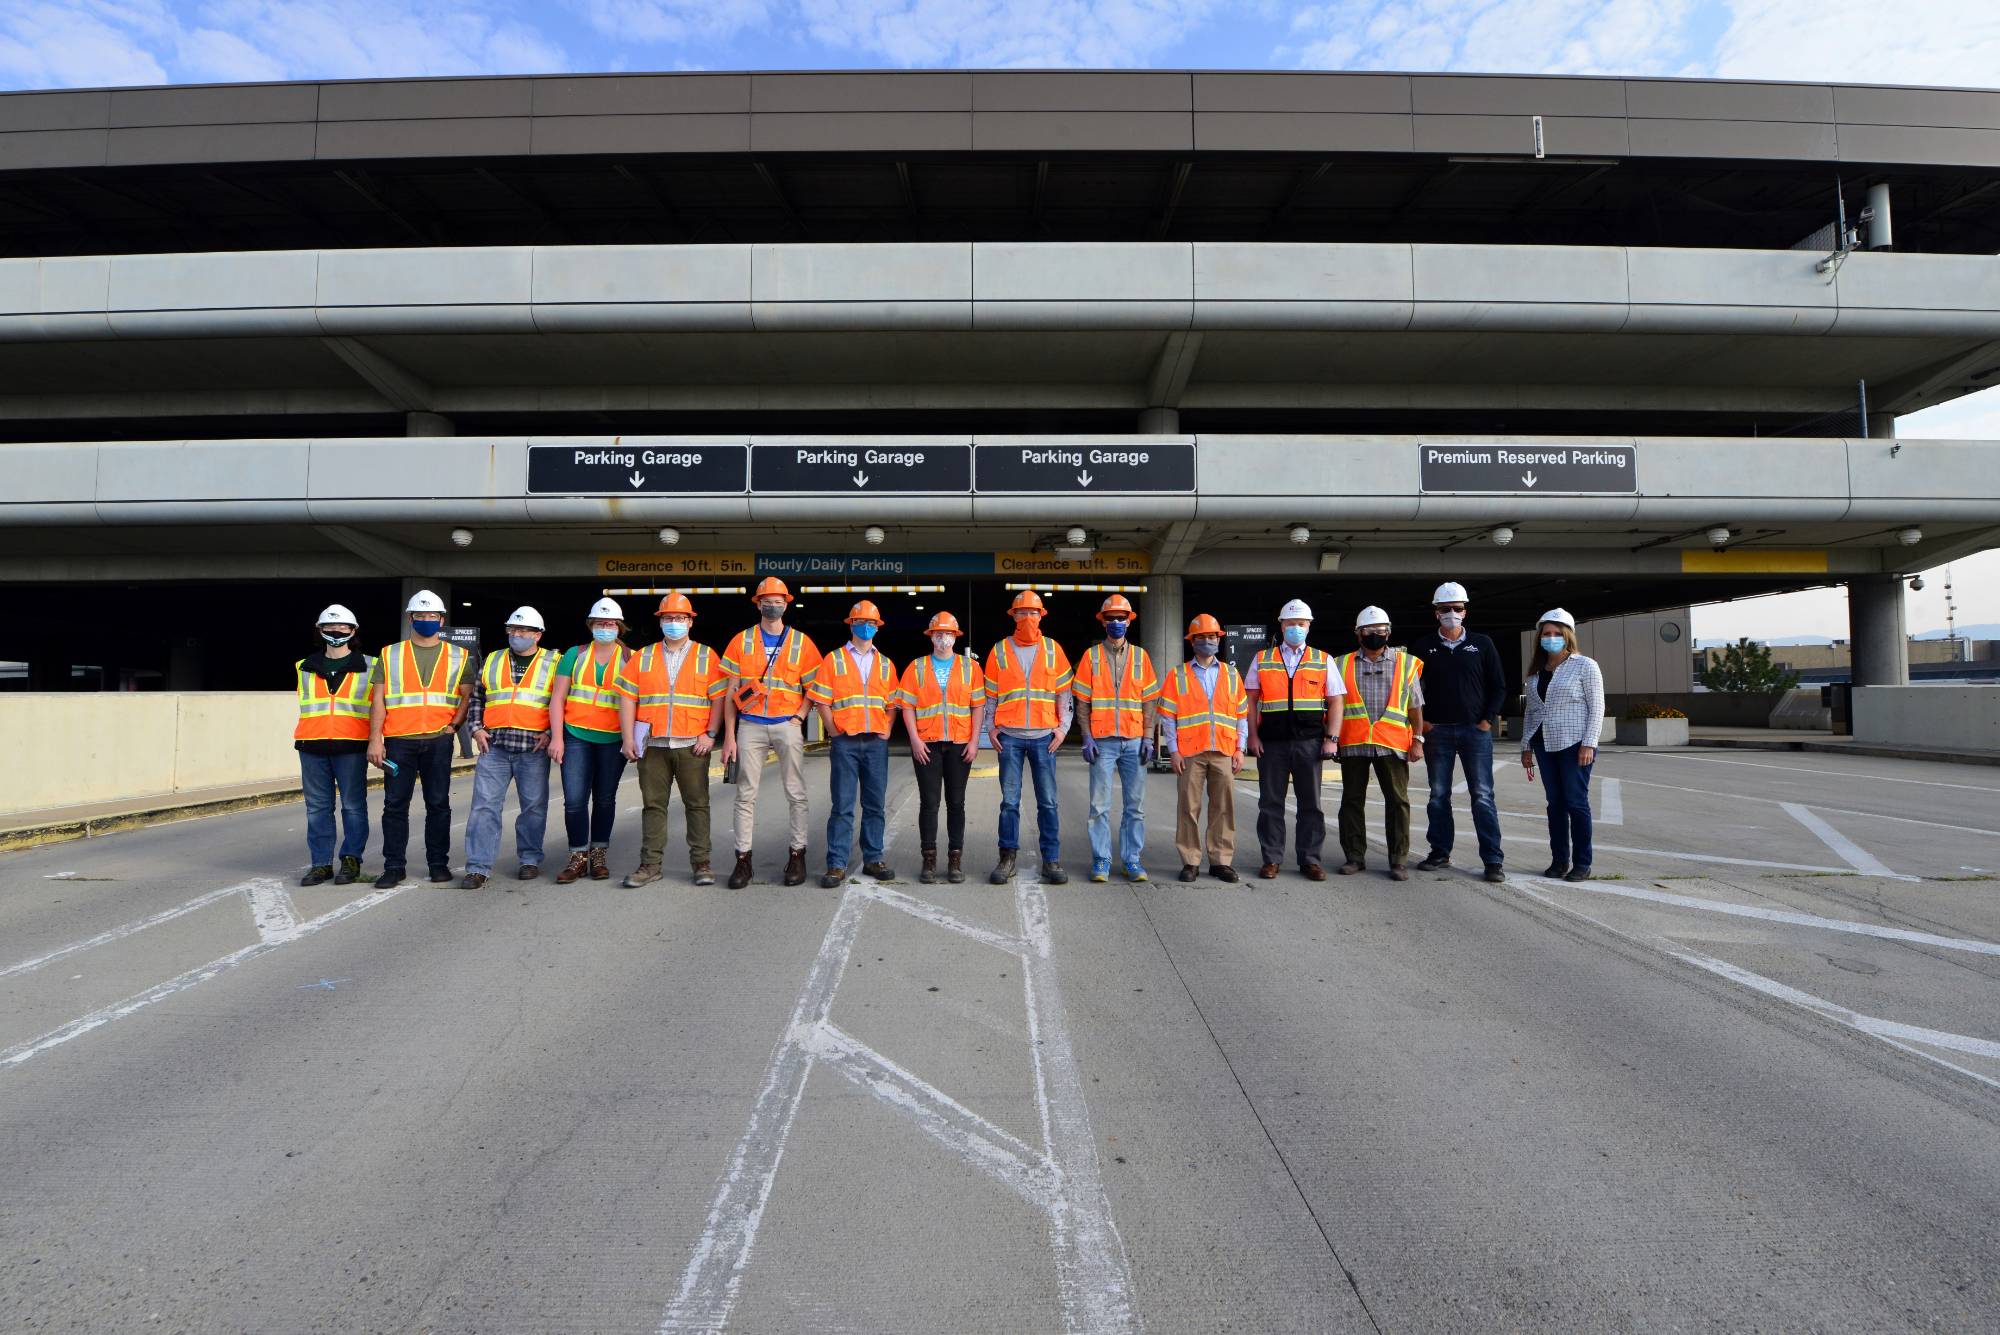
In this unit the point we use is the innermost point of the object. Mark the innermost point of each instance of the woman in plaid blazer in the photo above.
(1565, 712)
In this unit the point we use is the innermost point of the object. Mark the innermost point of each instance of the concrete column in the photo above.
(1876, 627)
(1159, 421)
(1161, 622)
(184, 665)
(428, 424)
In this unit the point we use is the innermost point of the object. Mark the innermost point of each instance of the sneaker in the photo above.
(644, 874)
(317, 876)
(1099, 873)
(1496, 874)
(350, 871)
(390, 878)
(1135, 874)
(703, 875)
(1434, 861)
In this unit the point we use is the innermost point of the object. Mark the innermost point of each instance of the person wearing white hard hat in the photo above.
(332, 741)
(1565, 713)
(1292, 735)
(591, 681)
(1381, 720)
(509, 720)
(422, 686)
(1465, 689)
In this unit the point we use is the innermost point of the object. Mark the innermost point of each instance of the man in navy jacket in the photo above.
(1464, 691)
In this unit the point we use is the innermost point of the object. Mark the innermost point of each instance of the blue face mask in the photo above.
(674, 630)
(865, 630)
(1295, 635)
(521, 644)
(604, 634)
(1554, 644)
(1116, 629)
(427, 628)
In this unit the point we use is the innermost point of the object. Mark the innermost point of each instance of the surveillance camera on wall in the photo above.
(462, 537)
(1502, 536)
(1077, 538)
(1718, 536)
(1916, 584)
(1301, 534)
(1910, 536)
(873, 535)
(669, 536)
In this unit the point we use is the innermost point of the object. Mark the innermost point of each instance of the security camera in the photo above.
(1078, 537)
(1301, 534)
(1916, 584)
(462, 537)
(1910, 536)
(873, 536)
(1719, 536)
(669, 536)
(1502, 536)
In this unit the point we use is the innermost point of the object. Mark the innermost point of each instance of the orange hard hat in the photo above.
(864, 611)
(1027, 598)
(771, 585)
(1116, 603)
(674, 602)
(943, 621)
(1204, 625)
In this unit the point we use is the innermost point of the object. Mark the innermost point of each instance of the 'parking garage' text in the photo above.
(1077, 458)
(634, 458)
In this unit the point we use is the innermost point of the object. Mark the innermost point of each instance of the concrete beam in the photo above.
(404, 390)
(391, 558)
(1926, 387)
(1172, 548)
(1171, 369)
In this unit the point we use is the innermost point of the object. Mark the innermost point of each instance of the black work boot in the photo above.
(350, 871)
(744, 871)
(955, 866)
(795, 867)
(319, 875)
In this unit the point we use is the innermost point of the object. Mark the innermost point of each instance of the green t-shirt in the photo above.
(566, 667)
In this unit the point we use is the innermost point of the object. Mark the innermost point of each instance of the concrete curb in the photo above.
(1846, 749)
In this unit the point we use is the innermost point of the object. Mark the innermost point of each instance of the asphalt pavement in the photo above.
(1749, 1079)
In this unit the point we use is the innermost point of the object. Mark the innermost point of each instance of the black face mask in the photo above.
(336, 640)
(1376, 641)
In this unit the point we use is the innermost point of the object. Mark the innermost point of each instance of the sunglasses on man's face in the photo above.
(1451, 607)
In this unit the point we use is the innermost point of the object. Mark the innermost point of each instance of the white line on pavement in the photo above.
(272, 909)
(938, 917)
(1853, 854)
(1799, 769)
(124, 930)
(1836, 811)
(1612, 792)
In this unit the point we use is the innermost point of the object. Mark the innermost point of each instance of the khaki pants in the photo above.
(1207, 773)
(755, 741)
(661, 770)
(1392, 775)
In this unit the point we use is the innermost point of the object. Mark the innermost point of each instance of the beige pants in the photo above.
(755, 741)
(1206, 774)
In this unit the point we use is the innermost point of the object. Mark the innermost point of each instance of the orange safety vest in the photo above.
(333, 716)
(522, 704)
(682, 705)
(1117, 706)
(1393, 728)
(593, 703)
(772, 684)
(1202, 724)
(411, 706)
(1026, 699)
(1293, 702)
(943, 713)
(860, 704)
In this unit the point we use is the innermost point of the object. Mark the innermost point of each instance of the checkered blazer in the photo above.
(1574, 710)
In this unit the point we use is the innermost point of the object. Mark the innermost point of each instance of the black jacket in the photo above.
(1462, 685)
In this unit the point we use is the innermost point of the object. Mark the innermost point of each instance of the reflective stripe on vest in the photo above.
(593, 699)
(787, 689)
(1122, 712)
(1393, 728)
(411, 706)
(840, 685)
(1200, 723)
(1018, 701)
(333, 716)
(1277, 688)
(943, 713)
(523, 704)
(683, 705)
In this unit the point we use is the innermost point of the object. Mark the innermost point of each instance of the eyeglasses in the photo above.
(1451, 607)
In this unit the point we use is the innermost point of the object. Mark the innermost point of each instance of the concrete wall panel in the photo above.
(856, 286)
(641, 94)
(410, 99)
(1916, 106)
(1082, 90)
(263, 278)
(417, 468)
(1464, 95)
(1520, 287)
(1289, 94)
(1303, 132)
(925, 90)
(1761, 291)
(486, 288)
(1067, 132)
(1085, 285)
(1928, 718)
(84, 110)
(1710, 100)
(1913, 294)
(23, 150)
(54, 474)
(1289, 285)
(496, 137)
(1902, 143)
(215, 104)
(675, 133)
(873, 131)
(1907, 481)
(580, 289)
(210, 143)
(1733, 139)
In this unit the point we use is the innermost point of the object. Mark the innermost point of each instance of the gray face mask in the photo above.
(771, 611)
(1207, 648)
(521, 644)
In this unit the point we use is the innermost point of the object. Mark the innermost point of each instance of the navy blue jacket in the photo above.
(1462, 685)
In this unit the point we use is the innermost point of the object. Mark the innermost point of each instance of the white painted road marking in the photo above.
(1612, 797)
(1800, 769)
(124, 930)
(272, 910)
(1853, 854)
(1819, 806)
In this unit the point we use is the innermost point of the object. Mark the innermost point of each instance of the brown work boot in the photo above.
(1352, 866)
(1314, 872)
(1003, 870)
(644, 874)
(1397, 872)
(795, 867)
(1269, 871)
(578, 864)
(741, 876)
(600, 864)
(531, 871)
(472, 880)
(955, 866)
(928, 874)
(703, 875)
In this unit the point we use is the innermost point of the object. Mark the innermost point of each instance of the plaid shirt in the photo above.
(517, 740)
(1374, 679)
(1574, 711)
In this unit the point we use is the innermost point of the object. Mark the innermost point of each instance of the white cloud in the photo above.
(674, 20)
(1861, 41)
(1505, 36)
(79, 45)
(1006, 33)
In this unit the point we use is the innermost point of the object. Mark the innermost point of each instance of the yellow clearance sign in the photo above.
(1045, 563)
(1753, 561)
(676, 565)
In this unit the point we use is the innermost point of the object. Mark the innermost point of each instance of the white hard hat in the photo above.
(336, 615)
(1295, 610)
(608, 609)
(1370, 616)
(1449, 592)
(1559, 616)
(526, 616)
(425, 601)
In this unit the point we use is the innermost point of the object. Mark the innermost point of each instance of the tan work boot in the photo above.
(600, 864)
(578, 864)
(644, 874)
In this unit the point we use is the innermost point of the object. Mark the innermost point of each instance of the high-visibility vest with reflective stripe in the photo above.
(1293, 702)
(1026, 699)
(1117, 704)
(1202, 724)
(333, 716)
(943, 713)
(781, 691)
(1393, 728)
(591, 703)
(411, 706)
(522, 704)
(860, 701)
(682, 705)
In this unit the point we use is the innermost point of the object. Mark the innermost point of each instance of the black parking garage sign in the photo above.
(619, 469)
(1084, 468)
(860, 470)
(1525, 470)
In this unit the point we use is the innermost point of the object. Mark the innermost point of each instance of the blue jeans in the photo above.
(590, 773)
(1447, 747)
(1041, 762)
(857, 763)
(1120, 754)
(528, 771)
(1566, 782)
(425, 759)
(320, 776)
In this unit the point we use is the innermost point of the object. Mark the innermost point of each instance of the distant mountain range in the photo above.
(1980, 630)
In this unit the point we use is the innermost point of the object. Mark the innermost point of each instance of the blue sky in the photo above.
(85, 43)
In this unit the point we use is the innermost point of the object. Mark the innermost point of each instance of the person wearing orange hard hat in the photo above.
(1203, 711)
(669, 725)
(855, 690)
(1117, 695)
(1028, 708)
(763, 713)
(941, 697)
